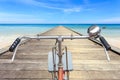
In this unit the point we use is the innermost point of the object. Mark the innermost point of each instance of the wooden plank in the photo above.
(24, 74)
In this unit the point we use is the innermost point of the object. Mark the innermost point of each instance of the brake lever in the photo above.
(106, 46)
(106, 52)
(13, 57)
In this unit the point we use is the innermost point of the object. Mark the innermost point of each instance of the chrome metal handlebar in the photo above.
(54, 37)
(58, 38)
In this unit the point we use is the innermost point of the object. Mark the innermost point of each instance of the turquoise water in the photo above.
(111, 30)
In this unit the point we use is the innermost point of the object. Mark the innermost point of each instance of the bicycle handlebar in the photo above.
(14, 45)
(56, 37)
(105, 43)
(18, 40)
(93, 32)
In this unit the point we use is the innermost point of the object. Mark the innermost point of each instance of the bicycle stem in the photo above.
(60, 64)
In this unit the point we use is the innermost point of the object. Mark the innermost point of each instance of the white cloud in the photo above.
(112, 20)
(65, 7)
(52, 6)
(19, 18)
(16, 20)
(11, 15)
(39, 4)
(73, 10)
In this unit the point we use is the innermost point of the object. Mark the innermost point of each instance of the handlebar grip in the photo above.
(105, 43)
(14, 45)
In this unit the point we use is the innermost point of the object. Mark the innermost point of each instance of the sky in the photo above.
(60, 11)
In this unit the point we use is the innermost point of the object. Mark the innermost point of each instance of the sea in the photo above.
(107, 30)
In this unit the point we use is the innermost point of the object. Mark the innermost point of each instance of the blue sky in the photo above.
(59, 11)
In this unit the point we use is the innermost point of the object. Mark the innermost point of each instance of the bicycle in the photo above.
(61, 56)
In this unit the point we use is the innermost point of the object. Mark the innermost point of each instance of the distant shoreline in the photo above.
(58, 23)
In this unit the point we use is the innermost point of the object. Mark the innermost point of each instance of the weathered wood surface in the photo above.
(89, 60)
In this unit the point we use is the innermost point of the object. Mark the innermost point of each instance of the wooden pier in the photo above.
(31, 63)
